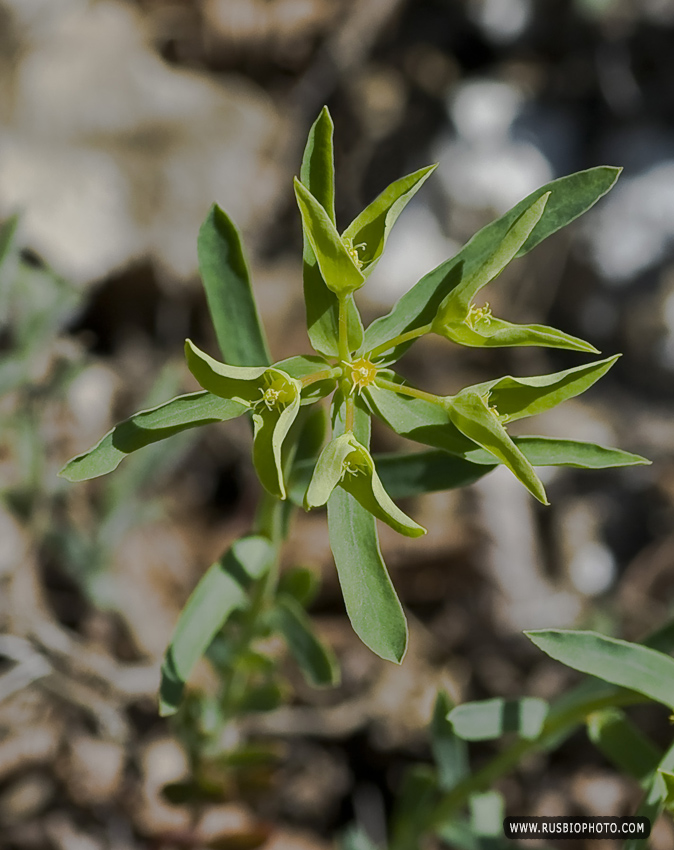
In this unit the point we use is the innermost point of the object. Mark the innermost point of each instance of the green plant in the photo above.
(241, 597)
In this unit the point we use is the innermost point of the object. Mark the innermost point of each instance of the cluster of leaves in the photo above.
(460, 806)
(466, 431)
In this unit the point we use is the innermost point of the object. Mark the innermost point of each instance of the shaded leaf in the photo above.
(629, 665)
(221, 590)
(316, 661)
(231, 303)
(488, 719)
(301, 583)
(449, 751)
(149, 426)
(623, 743)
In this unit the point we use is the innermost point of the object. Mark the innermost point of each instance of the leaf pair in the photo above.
(337, 265)
(474, 418)
(272, 396)
(459, 320)
(346, 463)
(569, 197)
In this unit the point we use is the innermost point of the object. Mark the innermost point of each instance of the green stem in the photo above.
(324, 375)
(344, 354)
(399, 340)
(557, 725)
(410, 391)
(350, 413)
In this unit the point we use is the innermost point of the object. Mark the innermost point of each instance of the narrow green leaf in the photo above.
(487, 811)
(457, 304)
(515, 398)
(405, 475)
(449, 751)
(229, 294)
(149, 426)
(417, 419)
(267, 696)
(318, 163)
(654, 799)
(239, 383)
(328, 471)
(668, 779)
(221, 590)
(623, 743)
(413, 812)
(482, 330)
(316, 660)
(472, 415)
(317, 174)
(552, 451)
(490, 718)
(371, 602)
(270, 428)
(301, 583)
(339, 270)
(369, 231)
(629, 665)
(570, 197)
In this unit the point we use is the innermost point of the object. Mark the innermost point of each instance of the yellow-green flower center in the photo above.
(479, 315)
(276, 393)
(362, 373)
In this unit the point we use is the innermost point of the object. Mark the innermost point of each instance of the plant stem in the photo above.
(410, 391)
(344, 354)
(557, 725)
(350, 413)
(399, 340)
(324, 375)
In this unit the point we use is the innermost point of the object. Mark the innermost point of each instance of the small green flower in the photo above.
(345, 463)
(271, 395)
(460, 320)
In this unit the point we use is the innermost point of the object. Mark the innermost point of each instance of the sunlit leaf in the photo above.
(369, 231)
(570, 197)
(230, 298)
(338, 268)
(472, 415)
(456, 306)
(371, 602)
(149, 426)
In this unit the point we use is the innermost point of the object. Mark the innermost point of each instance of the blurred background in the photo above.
(121, 121)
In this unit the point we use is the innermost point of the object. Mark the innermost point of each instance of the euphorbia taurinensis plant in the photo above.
(466, 432)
